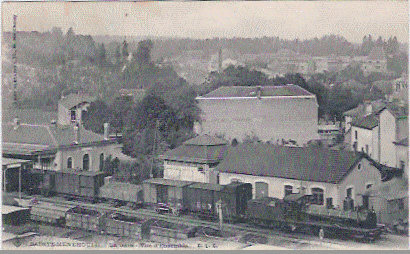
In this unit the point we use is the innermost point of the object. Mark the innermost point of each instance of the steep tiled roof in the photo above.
(377, 53)
(205, 140)
(360, 110)
(397, 111)
(300, 163)
(29, 138)
(368, 122)
(251, 91)
(31, 116)
(196, 153)
(72, 100)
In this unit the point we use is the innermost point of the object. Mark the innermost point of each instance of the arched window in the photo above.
(101, 161)
(288, 189)
(261, 189)
(317, 196)
(86, 162)
(70, 162)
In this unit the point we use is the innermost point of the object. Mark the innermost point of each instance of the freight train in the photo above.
(233, 202)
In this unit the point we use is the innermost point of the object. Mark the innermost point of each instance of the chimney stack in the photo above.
(106, 131)
(368, 107)
(16, 123)
(259, 92)
(76, 134)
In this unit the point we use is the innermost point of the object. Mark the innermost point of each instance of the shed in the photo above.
(14, 215)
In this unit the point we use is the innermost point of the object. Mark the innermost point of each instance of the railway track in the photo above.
(239, 229)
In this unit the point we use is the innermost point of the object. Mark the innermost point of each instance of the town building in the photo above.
(57, 147)
(402, 155)
(195, 160)
(376, 61)
(330, 133)
(391, 201)
(380, 134)
(287, 61)
(71, 107)
(394, 127)
(62, 144)
(276, 114)
(330, 176)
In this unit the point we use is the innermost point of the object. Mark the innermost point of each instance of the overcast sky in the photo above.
(288, 20)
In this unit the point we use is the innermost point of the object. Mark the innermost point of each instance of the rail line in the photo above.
(295, 238)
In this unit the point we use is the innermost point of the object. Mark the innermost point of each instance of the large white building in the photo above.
(271, 113)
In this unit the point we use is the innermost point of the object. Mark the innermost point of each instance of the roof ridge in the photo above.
(52, 136)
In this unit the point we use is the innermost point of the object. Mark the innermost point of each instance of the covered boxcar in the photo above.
(165, 194)
(123, 225)
(79, 183)
(87, 219)
(122, 192)
(202, 199)
(235, 196)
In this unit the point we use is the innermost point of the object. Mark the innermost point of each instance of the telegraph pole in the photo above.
(14, 56)
(154, 147)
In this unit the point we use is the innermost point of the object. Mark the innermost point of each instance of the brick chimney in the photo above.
(106, 131)
(77, 134)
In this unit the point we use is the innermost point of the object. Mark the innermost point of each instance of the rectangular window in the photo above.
(73, 115)
(288, 189)
(367, 149)
(317, 196)
(349, 192)
(401, 204)
(355, 134)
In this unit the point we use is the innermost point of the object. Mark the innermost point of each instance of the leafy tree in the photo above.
(97, 114)
(143, 54)
(102, 55)
(125, 52)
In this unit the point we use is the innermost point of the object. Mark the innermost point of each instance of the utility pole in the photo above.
(220, 215)
(154, 147)
(14, 56)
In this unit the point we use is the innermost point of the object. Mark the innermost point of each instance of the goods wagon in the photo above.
(122, 192)
(87, 219)
(79, 183)
(202, 199)
(235, 197)
(14, 215)
(49, 213)
(122, 225)
(166, 195)
(159, 228)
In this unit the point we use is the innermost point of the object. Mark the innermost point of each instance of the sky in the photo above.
(287, 20)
